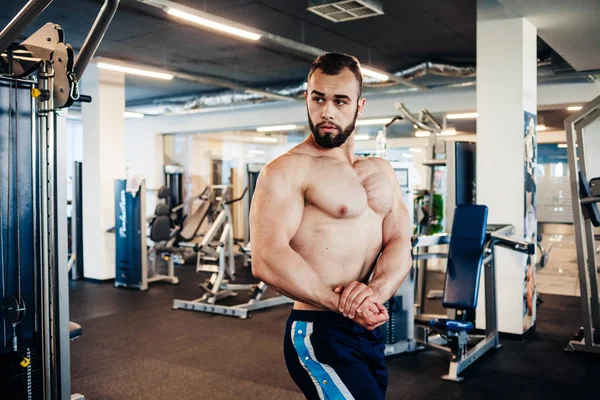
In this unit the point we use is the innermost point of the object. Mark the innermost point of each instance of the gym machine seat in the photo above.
(451, 325)
(465, 257)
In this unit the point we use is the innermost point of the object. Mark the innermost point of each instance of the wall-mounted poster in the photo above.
(529, 213)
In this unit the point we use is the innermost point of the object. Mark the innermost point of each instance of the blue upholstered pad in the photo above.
(465, 257)
(451, 325)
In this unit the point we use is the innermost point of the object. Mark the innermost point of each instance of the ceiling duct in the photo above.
(345, 10)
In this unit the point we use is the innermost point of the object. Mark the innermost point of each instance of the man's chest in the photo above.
(345, 191)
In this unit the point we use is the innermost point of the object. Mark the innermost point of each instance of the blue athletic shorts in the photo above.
(331, 357)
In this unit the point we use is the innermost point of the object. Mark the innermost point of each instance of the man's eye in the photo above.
(319, 100)
(340, 102)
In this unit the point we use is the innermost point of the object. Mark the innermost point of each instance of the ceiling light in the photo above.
(414, 150)
(265, 139)
(372, 74)
(361, 137)
(380, 121)
(276, 128)
(129, 114)
(448, 132)
(562, 145)
(462, 116)
(259, 152)
(135, 71)
(574, 108)
(213, 25)
(422, 133)
(541, 128)
(406, 155)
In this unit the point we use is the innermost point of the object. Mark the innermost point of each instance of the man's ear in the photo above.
(361, 105)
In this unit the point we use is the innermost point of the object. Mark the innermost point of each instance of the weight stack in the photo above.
(396, 329)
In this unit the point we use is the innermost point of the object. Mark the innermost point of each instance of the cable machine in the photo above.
(38, 78)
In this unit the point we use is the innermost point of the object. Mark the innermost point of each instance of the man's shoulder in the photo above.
(289, 161)
(291, 166)
(381, 163)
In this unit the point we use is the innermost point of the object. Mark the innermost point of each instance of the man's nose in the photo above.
(327, 112)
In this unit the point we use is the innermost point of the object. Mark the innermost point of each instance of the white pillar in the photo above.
(507, 104)
(103, 162)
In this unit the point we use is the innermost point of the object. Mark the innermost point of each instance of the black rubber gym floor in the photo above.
(134, 346)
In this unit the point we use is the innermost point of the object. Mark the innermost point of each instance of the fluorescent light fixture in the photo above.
(276, 128)
(574, 108)
(414, 150)
(265, 139)
(379, 121)
(259, 152)
(372, 74)
(422, 133)
(406, 155)
(213, 25)
(361, 137)
(562, 145)
(135, 71)
(130, 114)
(462, 116)
(448, 132)
(541, 128)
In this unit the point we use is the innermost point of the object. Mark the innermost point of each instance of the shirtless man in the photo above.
(329, 230)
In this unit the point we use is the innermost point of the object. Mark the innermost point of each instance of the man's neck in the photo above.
(343, 153)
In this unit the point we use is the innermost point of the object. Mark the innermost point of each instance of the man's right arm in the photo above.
(275, 216)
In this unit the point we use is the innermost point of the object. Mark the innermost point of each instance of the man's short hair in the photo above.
(334, 63)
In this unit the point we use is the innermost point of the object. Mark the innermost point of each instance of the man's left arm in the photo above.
(395, 261)
(393, 264)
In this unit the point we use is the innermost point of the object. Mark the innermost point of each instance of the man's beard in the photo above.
(332, 140)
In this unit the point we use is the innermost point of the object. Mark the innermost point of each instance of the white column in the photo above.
(103, 162)
(506, 102)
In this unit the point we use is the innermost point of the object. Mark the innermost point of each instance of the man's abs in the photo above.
(338, 250)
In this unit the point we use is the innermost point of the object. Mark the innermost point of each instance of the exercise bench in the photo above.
(471, 248)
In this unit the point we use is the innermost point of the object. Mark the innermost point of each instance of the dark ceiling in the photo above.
(410, 32)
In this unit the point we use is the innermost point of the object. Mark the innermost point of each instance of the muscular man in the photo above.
(330, 231)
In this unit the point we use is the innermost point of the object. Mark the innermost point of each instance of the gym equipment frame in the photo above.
(586, 216)
(472, 246)
(218, 259)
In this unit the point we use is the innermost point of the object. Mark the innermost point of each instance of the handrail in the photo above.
(407, 114)
(239, 198)
(21, 21)
(94, 37)
(500, 238)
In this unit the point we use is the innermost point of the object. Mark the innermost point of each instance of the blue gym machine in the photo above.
(472, 245)
(131, 249)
